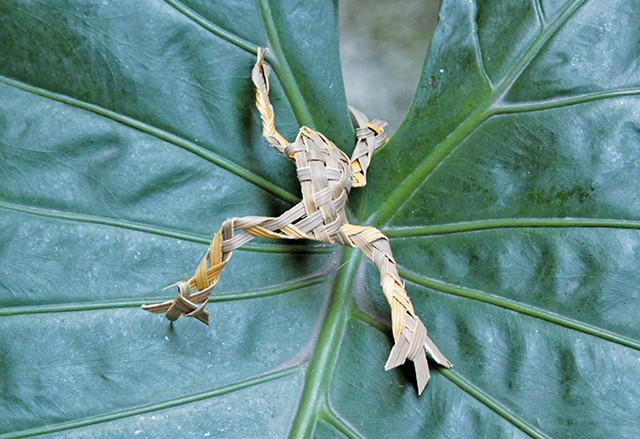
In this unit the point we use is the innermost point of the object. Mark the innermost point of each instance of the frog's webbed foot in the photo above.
(411, 345)
(185, 303)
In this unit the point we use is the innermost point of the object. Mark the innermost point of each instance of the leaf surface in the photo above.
(128, 133)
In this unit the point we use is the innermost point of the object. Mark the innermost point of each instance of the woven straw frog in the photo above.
(326, 176)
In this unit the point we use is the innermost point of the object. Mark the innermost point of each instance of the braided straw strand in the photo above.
(260, 78)
(409, 333)
(326, 176)
(369, 137)
(224, 242)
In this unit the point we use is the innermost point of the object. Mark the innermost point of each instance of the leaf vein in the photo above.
(473, 390)
(564, 102)
(110, 417)
(161, 231)
(509, 223)
(213, 28)
(120, 304)
(478, 49)
(283, 70)
(492, 403)
(178, 141)
(329, 416)
(525, 309)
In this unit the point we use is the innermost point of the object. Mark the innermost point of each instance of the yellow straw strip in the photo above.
(326, 176)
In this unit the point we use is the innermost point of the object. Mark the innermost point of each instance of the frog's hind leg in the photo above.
(409, 333)
(233, 234)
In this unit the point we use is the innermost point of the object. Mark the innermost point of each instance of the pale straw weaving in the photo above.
(326, 176)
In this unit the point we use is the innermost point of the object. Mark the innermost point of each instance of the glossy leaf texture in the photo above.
(128, 133)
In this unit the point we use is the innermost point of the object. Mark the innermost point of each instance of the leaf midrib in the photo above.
(316, 386)
(283, 69)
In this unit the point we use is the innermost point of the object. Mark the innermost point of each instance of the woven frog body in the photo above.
(326, 176)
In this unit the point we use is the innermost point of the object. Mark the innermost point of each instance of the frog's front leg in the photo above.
(260, 77)
(369, 137)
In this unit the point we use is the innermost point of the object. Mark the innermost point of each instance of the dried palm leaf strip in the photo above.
(326, 176)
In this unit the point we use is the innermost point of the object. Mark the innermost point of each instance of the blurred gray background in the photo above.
(383, 44)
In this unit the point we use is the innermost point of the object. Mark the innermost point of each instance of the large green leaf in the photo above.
(128, 134)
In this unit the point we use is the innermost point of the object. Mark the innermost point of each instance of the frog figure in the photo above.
(326, 175)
